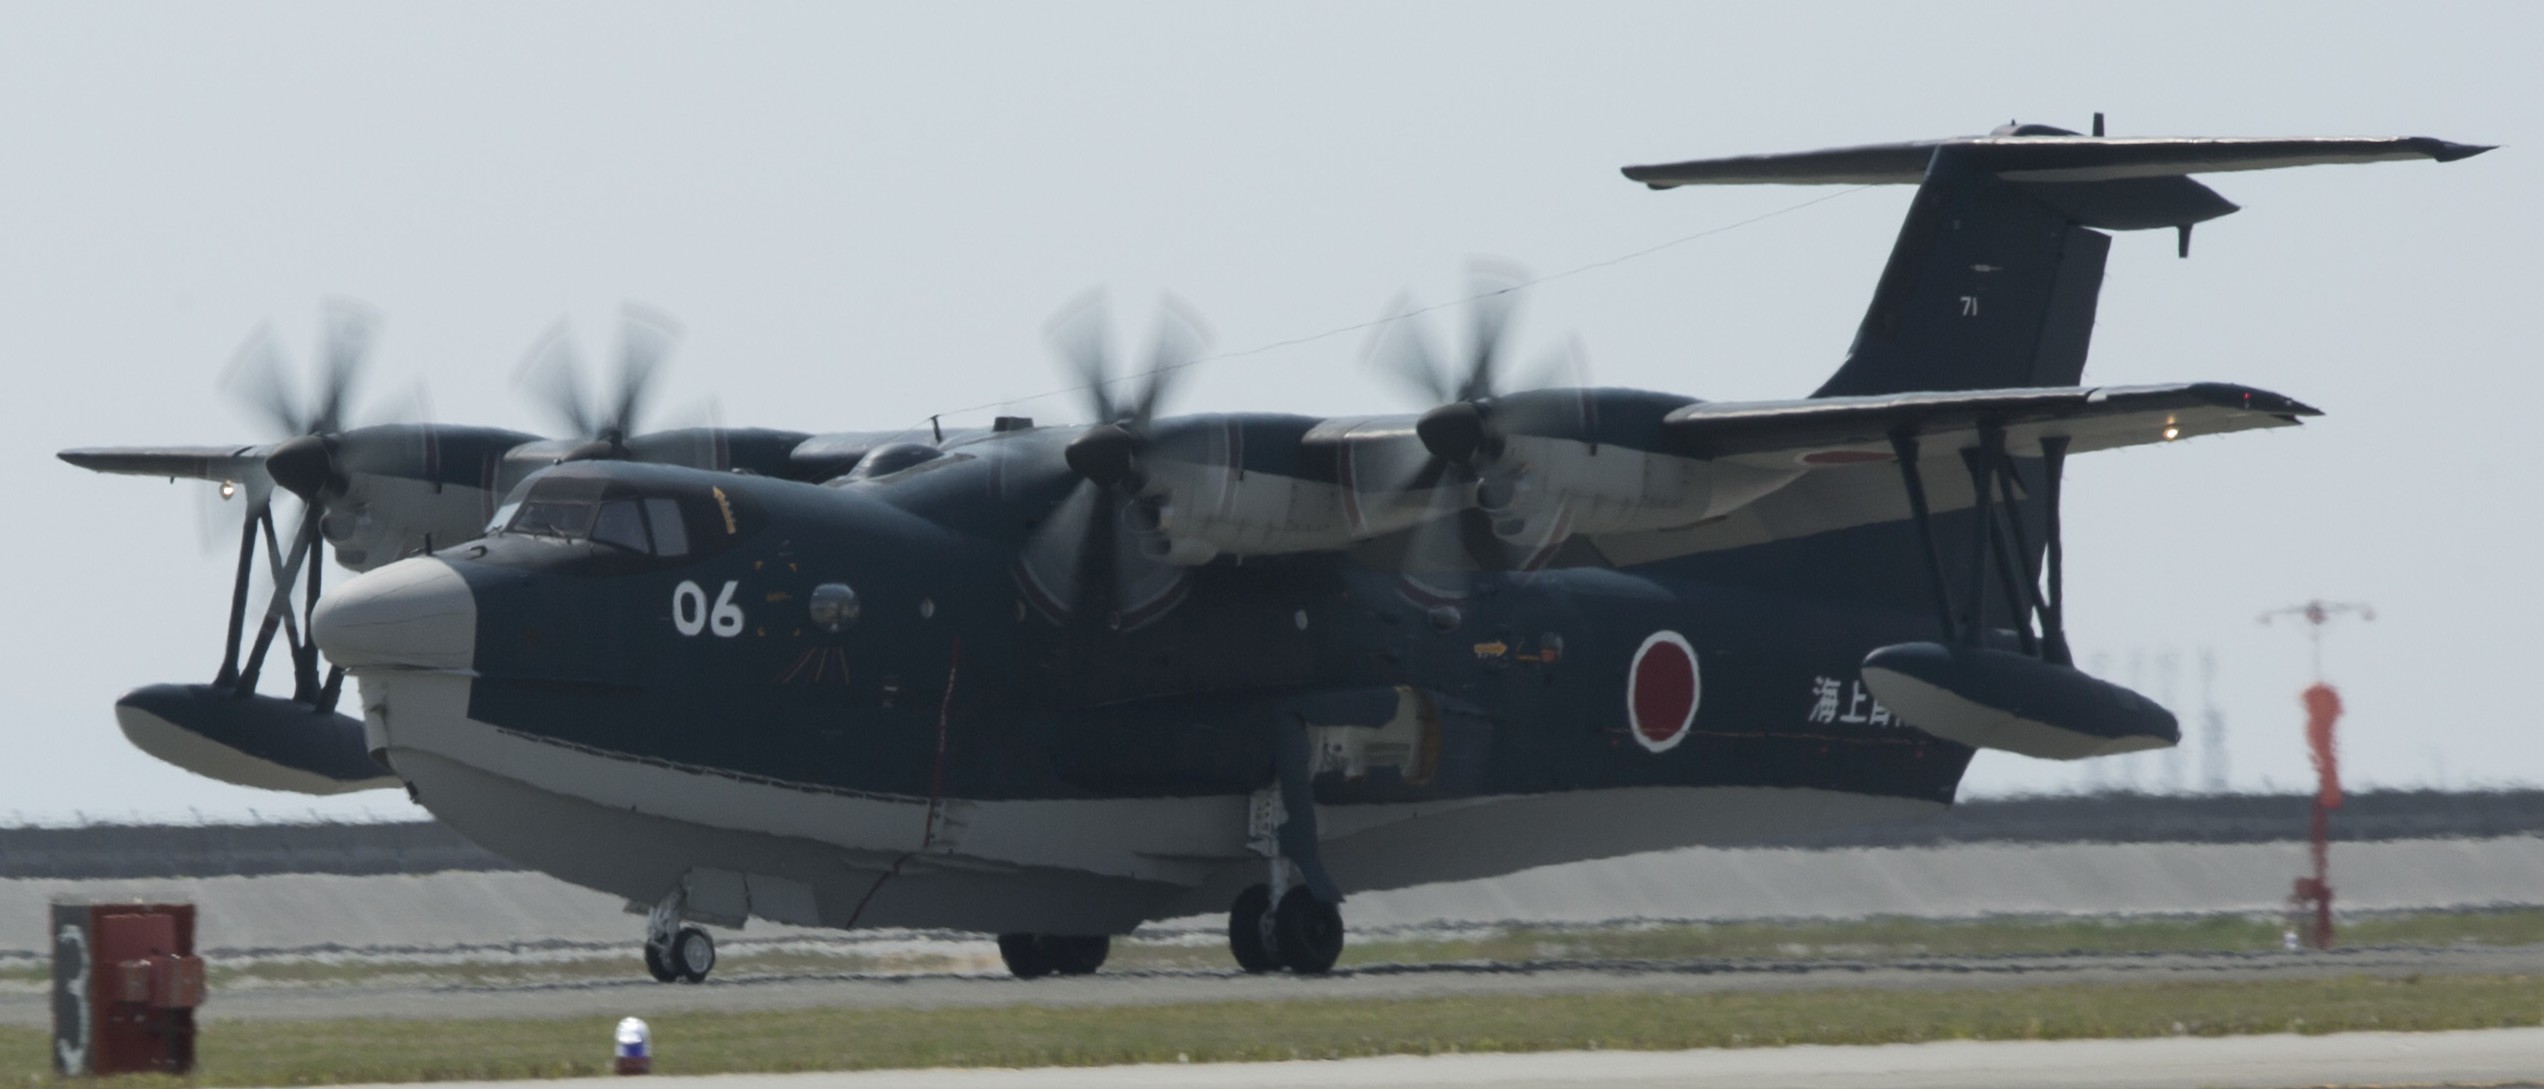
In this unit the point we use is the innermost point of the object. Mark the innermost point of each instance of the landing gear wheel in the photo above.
(1026, 955)
(1245, 930)
(655, 966)
(1076, 954)
(693, 955)
(1307, 933)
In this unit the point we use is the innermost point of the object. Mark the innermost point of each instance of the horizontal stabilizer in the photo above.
(1990, 699)
(2049, 158)
(250, 740)
(1835, 431)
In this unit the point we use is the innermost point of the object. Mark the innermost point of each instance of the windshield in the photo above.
(649, 526)
(567, 518)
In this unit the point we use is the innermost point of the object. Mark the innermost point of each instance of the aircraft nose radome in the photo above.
(412, 614)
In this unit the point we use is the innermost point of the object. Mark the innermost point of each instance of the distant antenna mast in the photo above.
(2323, 712)
(2212, 728)
(2176, 762)
(2129, 763)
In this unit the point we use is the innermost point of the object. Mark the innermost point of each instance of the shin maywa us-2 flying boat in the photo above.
(1051, 682)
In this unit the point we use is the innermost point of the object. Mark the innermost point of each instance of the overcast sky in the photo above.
(864, 215)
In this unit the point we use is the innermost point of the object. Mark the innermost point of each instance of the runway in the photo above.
(2493, 1057)
(384, 994)
(512, 910)
(367, 938)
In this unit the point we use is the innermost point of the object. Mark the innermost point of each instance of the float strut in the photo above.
(1903, 446)
(1982, 464)
(2054, 609)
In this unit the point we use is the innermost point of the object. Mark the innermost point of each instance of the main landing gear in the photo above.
(676, 953)
(1296, 920)
(1033, 956)
(1299, 932)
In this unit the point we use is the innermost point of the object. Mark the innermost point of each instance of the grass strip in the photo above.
(325, 1052)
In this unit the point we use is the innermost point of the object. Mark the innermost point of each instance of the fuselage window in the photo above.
(671, 536)
(620, 525)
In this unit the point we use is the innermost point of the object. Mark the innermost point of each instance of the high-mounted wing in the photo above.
(1832, 431)
(1644, 475)
(1842, 455)
(215, 463)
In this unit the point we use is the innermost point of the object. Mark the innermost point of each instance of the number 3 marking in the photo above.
(691, 614)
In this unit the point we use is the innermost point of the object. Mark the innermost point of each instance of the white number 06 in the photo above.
(690, 613)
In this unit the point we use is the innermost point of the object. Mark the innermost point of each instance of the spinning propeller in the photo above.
(1100, 556)
(604, 418)
(1474, 482)
(309, 465)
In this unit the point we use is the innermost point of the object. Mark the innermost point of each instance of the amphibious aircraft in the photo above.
(1050, 683)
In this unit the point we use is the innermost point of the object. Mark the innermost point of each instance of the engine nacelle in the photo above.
(1260, 486)
(1537, 483)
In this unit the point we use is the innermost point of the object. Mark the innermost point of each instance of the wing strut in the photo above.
(1903, 444)
(1981, 461)
(1998, 543)
(286, 569)
(2054, 608)
(1960, 689)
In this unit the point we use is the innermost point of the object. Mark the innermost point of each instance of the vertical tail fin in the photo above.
(1994, 279)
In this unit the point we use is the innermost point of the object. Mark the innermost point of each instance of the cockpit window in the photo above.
(621, 524)
(624, 519)
(649, 526)
(567, 518)
(671, 536)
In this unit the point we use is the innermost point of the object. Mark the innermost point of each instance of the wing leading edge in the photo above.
(1827, 431)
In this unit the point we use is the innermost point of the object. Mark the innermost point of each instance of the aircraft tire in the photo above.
(1245, 930)
(655, 966)
(693, 955)
(1307, 932)
(1026, 955)
(1076, 954)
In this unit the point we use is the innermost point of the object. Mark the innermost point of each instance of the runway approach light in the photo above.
(635, 1053)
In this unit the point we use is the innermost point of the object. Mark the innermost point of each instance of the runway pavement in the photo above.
(388, 913)
(385, 995)
(382, 922)
(2492, 1057)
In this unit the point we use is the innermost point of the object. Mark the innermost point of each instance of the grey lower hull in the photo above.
(809, 856)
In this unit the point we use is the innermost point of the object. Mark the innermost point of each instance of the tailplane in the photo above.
(1994, 279)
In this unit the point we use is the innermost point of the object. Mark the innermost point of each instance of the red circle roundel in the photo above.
(1661, 690)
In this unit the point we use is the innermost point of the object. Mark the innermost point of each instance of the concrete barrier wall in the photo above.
(425, 847)
(1972, 880)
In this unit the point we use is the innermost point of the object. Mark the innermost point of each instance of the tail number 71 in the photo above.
(691, 614)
